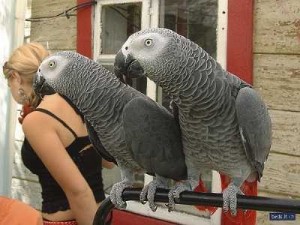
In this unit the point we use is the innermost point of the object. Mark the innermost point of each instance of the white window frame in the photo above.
(98, 27)
(147, 20)
(150, 18)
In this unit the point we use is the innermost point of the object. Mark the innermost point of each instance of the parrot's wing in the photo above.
(154, 138)
(255, 127)
(175, 110)
(97, 143)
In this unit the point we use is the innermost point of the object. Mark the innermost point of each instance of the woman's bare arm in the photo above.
(40, 131)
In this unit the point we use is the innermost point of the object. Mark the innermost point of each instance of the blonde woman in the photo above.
(56, 146)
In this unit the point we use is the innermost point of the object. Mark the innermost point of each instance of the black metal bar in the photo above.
(207, 199)
(102, 212)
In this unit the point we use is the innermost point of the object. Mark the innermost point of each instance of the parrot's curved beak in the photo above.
(41, 87)
(127, 67)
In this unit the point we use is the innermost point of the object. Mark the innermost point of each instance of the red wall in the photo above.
(240, 39)
(84, 30)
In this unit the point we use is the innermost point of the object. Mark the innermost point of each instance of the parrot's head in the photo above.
(60, 73)
(148, 53)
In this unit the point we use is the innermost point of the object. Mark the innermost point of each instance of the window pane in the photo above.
(119, 22)
(196, 20)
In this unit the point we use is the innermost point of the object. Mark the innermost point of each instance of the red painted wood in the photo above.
(84, 30)
(240, 39)
(127, 218)
(240, 63)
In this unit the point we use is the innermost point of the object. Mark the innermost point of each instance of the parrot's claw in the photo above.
(153, 207)
(149, 190)
(116, 194)
(230, 198)
(175, 192)
(143, 195)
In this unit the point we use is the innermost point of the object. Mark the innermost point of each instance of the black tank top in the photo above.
(88, 161)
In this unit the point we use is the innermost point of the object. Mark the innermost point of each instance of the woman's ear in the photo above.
(16, 75)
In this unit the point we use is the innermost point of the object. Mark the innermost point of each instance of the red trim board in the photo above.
(84, 30)
(240, 39)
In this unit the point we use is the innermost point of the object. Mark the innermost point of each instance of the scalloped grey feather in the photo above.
(224, 123)
(137, 132)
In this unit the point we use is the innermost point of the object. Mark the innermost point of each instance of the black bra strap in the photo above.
(57, 118)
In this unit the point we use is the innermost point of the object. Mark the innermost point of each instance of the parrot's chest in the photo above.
(222, 157)
(214, 147)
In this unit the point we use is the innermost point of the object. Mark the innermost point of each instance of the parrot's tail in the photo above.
(243, 217)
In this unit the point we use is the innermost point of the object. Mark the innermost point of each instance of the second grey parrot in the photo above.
(224, 122)
(135, 131)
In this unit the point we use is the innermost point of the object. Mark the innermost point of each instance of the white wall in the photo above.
(12, 34)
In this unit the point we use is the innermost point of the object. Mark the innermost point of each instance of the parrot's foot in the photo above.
(175, 192)
(116, 194)
(230, 198)
(149, 191)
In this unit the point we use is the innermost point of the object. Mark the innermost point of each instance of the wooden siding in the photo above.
(277, 26)
(42, 8)
(281, 176)
(277, 78)
(58, 33)
(286, 133)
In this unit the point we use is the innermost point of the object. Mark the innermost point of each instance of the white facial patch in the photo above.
(144, 46)
(52, 67)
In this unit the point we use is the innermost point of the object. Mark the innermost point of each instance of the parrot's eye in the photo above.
(52, 64)
(148, 42)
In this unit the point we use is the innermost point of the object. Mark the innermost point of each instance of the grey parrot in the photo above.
(135, 131)
(225, 125)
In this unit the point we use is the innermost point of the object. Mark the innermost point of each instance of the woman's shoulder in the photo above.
(36, 120)
(42, 120)
(55, 109)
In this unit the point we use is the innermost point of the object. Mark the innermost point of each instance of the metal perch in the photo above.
(205, 199)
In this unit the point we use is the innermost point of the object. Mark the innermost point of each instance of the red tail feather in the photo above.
(201, 188)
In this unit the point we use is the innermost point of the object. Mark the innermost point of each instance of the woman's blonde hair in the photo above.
(26, 60)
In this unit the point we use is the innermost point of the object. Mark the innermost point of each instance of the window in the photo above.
(196, 20)
(199, 20)
(117, 22)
